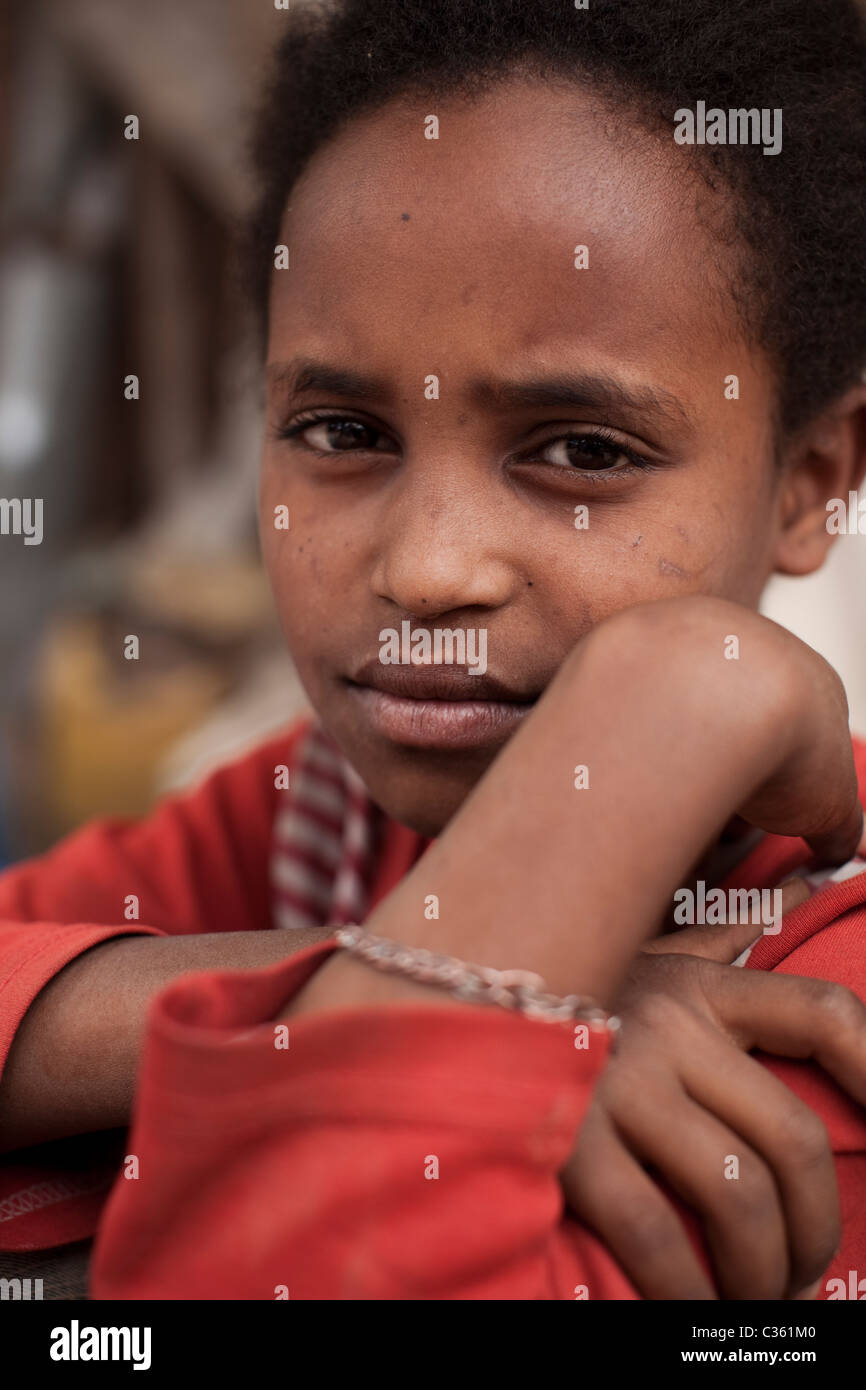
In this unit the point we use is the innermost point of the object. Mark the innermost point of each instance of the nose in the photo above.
(444, 542)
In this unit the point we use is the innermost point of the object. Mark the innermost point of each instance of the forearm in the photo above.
(72, 1066)
(536, 875)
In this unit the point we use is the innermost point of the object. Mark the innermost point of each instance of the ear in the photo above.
(820, 468)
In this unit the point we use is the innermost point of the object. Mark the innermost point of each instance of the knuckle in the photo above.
(649, 1228)
(839, 1004)
(659, 1012)
(749, 1231)
(752, 1201)
(800, 1132)
(623, 1078)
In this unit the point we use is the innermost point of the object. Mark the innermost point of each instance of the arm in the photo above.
(76, 976)
(331, 1135)
(72, 1065)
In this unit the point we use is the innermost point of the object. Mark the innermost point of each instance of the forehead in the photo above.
(466, 244)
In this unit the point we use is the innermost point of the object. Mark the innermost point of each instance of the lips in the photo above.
(438, 707)
(440, 682)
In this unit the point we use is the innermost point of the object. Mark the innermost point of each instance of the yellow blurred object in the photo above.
(105, 722)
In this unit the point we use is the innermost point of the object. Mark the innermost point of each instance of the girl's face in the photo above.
(513, 448)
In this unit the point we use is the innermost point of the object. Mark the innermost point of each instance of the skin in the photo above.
(460, 513)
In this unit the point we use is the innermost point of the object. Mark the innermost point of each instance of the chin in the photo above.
(419, 792)
(419, 787)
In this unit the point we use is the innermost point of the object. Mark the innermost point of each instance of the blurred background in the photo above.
(116, 263)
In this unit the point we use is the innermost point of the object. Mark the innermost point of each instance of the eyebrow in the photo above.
(582, 390)
(304, 375)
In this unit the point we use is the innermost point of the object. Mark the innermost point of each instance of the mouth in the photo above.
(438, 707)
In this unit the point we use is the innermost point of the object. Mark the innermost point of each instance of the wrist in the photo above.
(343, 982)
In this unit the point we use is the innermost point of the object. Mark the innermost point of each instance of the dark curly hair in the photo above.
(799, 216)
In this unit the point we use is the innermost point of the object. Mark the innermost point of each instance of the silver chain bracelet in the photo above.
(477, 984)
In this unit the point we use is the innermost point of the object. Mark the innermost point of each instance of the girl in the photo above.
(551, 386)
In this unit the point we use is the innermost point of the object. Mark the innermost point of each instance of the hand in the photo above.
(779, 708)
(681, 1094)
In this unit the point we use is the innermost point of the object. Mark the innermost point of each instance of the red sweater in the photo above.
(407, 1152)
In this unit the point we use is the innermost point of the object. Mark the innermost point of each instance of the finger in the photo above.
(608, 1190)
(795, 1016)
(794, 892)
(725, 941)
(811, 1292)
(841, 844)
(791, 1140)
(743, 1222)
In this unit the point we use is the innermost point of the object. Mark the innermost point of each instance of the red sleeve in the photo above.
(197, 864)
(393, 1153)
(403, 1152)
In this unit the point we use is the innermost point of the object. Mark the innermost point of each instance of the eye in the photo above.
(596, 451)
(336, 434)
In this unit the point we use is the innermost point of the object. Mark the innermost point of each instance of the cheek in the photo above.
(301, 577)
(698, 535)
(288, 529)
(710, 549)
(308, 562)
(734, 511)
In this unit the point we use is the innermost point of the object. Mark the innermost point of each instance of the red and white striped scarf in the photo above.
(326, 835)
